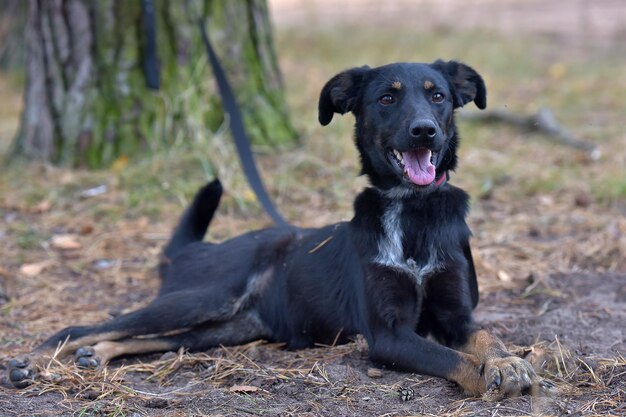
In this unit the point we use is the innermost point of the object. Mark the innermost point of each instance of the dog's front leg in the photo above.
(402, 348)
(505, 374)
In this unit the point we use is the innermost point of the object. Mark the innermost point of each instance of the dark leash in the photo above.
(241, 139)
(150, 58)
(242, 142)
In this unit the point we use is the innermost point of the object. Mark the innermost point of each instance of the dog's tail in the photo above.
(194, 223)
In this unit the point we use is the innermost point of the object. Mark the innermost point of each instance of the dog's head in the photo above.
(405, 129)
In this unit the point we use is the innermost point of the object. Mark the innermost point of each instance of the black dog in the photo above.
(399, 271)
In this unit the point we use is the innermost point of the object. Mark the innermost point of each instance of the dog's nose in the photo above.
(423, 129)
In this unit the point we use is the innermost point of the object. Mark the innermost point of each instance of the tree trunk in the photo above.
(12, 21)
(86, 98)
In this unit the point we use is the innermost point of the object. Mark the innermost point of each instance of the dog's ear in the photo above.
(468, 84)
(340, 93)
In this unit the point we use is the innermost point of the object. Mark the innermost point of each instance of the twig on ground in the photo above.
(542, 122)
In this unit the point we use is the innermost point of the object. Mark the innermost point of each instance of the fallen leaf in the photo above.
(120, 163)
(142, 223)
(65, 242)
(583, 199)
(94, 192)
(249, 196)
(243, 388)
(86, 229)
(35, 268)
(546, 200)
(557, 71)
(374, 372)
(504, 276)
(41, 207)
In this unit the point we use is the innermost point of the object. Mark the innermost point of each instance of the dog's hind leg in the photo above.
(242, 328)
(170, 312)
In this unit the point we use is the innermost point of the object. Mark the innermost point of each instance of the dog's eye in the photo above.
(386, 100)
(438, 98)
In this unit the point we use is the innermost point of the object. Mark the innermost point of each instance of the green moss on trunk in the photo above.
(86, 78)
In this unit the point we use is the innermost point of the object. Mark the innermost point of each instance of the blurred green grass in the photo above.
(585, 88)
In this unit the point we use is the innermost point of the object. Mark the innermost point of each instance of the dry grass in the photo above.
(246, 370)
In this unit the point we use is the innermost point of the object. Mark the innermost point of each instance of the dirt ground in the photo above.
(551, 261)
(574, 325)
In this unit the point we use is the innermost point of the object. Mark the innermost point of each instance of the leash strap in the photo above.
(242, 142)
(150, 60)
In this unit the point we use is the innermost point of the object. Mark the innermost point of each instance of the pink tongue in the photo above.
(418, 166)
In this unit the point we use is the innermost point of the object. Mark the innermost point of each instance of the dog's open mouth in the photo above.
(417, 165)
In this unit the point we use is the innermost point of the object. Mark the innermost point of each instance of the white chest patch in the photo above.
(391, 252)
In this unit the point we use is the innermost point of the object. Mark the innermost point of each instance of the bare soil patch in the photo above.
(571, 326)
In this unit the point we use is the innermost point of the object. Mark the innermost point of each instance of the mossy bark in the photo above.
(86, 99)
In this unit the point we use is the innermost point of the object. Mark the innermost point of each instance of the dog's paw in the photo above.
(85, 357)
(512, 376)
(21, 372)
